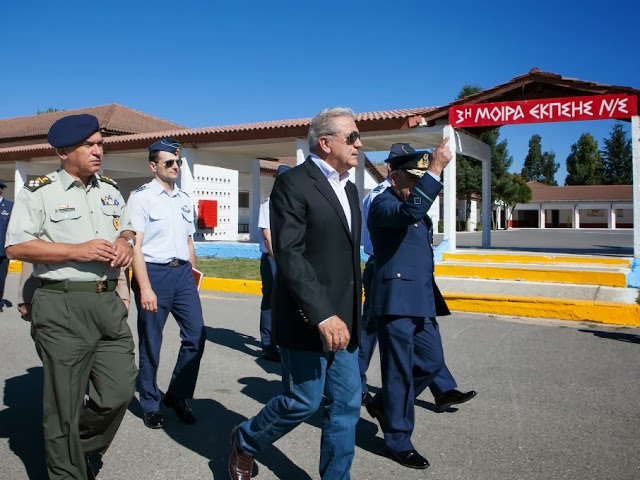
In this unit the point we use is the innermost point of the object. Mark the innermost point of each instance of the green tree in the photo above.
(617, 159)
(49, 110)
(539, 166)
(511, 190)
(549, 168)
(584, 163)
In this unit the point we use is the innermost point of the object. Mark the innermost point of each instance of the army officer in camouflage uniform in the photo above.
(72, 225)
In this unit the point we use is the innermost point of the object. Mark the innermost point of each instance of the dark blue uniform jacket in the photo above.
(401, 233)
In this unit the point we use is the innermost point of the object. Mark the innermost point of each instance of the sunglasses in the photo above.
(351, 138)
(169, 163)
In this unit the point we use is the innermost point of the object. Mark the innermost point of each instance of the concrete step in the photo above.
(531, 267)
(512, 288)
(533, 258)
(583, 274)
(566, 301)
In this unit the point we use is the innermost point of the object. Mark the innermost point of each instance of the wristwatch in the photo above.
(130, 241)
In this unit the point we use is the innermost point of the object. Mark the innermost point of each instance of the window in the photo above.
(243, 199)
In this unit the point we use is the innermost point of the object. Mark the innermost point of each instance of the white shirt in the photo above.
(165, 219)
(263, 223)
(338, 183)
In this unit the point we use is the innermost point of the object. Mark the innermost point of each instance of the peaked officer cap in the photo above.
(402, 156)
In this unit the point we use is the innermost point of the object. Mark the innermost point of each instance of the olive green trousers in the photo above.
(86, 347)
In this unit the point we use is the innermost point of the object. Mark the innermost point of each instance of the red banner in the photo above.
(600, 107)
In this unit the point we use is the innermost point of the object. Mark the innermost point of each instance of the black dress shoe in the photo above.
(271, 356)
(453, 397)
(410, 459)
(240, 465)
(375, 413)
(179, 405)
(366, 398)
(153, 419)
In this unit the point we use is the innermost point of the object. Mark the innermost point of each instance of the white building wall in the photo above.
(221, 184)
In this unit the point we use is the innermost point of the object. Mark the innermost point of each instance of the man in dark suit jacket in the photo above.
(316, 305)
(405, 296)
(5, 213)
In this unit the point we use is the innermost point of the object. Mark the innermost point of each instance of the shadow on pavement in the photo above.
(210, 438)
(234, 340)
(263, 390)
(242, 343)
(21, 421)
(621, 337)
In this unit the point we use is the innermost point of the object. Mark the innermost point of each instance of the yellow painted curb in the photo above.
(15, 266)
(506, 258)
(562, 309)
(610, 279)
(252, 287)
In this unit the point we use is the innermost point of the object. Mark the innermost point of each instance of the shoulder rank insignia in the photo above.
(35, 184)
(110, 181)
(140, 189)
(379, 188)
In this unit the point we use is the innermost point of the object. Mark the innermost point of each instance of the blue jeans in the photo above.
(306, 377)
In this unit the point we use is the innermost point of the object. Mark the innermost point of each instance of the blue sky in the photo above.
(207, 63)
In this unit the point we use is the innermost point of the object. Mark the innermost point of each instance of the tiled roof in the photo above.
(369, 121)
(114, 120)
(581, 193)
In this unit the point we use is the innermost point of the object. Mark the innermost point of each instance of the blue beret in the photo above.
(2, 185)
(72, 129)
(170, 145)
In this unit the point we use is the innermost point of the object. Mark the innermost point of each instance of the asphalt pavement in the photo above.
(556, 400)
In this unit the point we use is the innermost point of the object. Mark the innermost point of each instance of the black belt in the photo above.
(98, 286)
(173, 263)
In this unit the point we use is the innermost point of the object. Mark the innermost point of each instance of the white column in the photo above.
(576, 217)
(486, 203)
(302, 150)
(474, 215)
(254, 200)
(450, 191)
(498, 217)
(611, 217)
(20, 177)
(635, 153)
(542, 217)
(189, 160)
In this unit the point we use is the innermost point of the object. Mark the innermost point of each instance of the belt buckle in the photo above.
(174, 263)
(102, 286)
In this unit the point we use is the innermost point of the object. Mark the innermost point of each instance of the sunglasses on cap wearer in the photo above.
(169, 163)
(351, 138)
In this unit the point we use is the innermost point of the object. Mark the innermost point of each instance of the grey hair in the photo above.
(322, 124)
